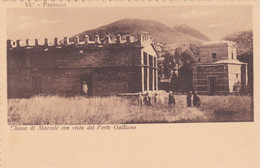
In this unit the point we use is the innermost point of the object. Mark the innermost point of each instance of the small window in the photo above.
(232, 55)
(214, 55)
(237, 76)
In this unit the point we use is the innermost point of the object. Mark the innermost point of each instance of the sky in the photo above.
(213, 21)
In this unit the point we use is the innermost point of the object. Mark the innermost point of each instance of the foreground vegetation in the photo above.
(111, 110)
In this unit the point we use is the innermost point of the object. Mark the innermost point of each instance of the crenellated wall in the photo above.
(110, 66)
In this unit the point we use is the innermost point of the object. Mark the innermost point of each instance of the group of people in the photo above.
(196, 100)
(146, 100)
(149, 99)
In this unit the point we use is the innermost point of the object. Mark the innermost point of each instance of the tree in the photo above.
(183, 82)
(247, 57)
(168, 66)
(187, 57)
(177, 56)
(178, 67)
(195, 49)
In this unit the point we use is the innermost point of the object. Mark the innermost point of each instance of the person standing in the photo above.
(155, 98)
(140, 99)
(171, 98)
(149, 98)
(85, 89)
(196, 100)
(189, 96)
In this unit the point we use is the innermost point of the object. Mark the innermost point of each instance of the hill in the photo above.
(160, 32)
(185, 29)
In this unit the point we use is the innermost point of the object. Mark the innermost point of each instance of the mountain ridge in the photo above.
(188, 30)
(161, 33)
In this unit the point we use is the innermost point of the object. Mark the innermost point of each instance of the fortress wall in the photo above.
(59, 69)
(18, 76)
(112, 81)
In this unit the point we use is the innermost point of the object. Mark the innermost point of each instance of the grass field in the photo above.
(119, 110)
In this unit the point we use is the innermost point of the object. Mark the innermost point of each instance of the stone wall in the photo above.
(237, 77)
(109, 68)
(202, 74)
(223, 51)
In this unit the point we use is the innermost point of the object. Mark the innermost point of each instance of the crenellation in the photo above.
(128, 39)
(9, 43)
(56, 41)
(27, 41)
(46, 42)
(107, 41)
(110, 65)
(118, 39)
(86, 39)
(97, 40)
(66, 41)
(36, 41)
(18, 43)
(76, 40)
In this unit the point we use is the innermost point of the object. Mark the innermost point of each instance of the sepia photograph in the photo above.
(129, 65)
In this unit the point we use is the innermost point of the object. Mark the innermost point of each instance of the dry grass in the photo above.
(110, 110)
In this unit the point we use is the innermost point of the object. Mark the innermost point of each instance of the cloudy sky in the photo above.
(213, 21)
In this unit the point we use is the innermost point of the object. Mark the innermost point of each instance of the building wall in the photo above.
(223, 52)
(202, 73)
(206, 53)
(91, 57)
(112, 81)
(232, 49)
(59, 70)
(19, 77)
(230, 76)
(237, 77)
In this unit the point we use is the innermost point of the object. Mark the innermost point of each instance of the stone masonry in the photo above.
(109, 67)
(219, 71)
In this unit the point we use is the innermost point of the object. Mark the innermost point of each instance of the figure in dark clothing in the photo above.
(155, 98)
(140, 99)
(171, 98)
(196, 100)
(189, 96)
(148, 99)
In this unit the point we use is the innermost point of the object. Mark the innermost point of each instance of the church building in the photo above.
(110, 65)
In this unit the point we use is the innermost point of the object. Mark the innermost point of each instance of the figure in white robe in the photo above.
(85, 89)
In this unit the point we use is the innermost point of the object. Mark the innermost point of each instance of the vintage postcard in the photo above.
(129, 84)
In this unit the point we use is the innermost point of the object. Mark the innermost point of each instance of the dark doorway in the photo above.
(86, 80)
(212, 85)
(36, 85)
